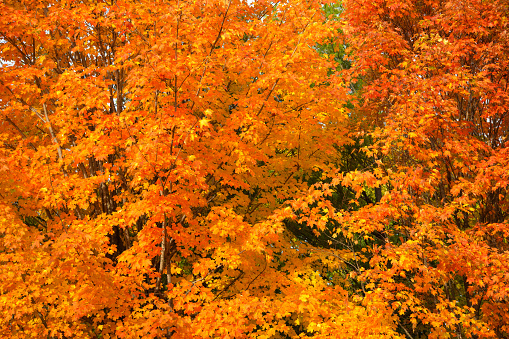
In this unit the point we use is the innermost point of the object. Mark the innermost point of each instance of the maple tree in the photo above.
(428, 222)
(148, 152)
(227, 169)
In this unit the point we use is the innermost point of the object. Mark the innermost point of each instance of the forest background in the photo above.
(254, 169)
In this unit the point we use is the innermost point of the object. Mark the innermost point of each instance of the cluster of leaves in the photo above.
(430, 214)
(148, 149)
(230, 169)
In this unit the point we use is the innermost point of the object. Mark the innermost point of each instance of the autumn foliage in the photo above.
(436, 95)
(226, 169)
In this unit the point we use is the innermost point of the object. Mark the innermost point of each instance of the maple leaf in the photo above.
(204, 123)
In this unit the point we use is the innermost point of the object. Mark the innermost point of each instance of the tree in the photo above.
(149, 149)
(435, 89)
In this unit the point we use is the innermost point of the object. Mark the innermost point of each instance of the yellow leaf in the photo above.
(204, 122)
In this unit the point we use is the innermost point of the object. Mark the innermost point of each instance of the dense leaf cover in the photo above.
(435, 77)
(261, 169)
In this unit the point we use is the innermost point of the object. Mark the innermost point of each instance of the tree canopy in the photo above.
(254, 169)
